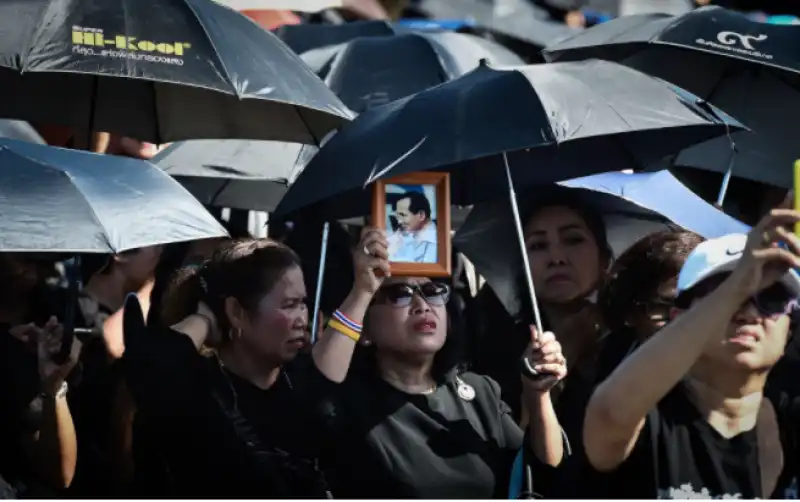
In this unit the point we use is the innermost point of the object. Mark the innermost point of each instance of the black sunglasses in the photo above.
(772, 301)
(400, 295)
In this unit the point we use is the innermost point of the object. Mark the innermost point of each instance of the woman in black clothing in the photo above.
(407, 422)
(36, 429)
(231, 424)
(569, 255)
(685, 415)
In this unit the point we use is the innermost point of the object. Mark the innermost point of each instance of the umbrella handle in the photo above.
(527, 370)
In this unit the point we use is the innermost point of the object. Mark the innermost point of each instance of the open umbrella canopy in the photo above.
(365, 73)
(305, 37)
(159, 71)
(58, 200)
(748, 68)
(488, 237)
(558, 121)
(239, 174)
(370, 71)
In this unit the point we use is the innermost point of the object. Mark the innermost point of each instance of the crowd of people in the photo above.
(667, 371)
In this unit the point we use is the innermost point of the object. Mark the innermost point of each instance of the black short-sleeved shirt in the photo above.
(390, 444)
(213, 434)
(680, 456)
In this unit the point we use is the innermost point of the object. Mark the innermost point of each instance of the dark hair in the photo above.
(590, 216)
(418, 203)
(636, 276)
(245, 269)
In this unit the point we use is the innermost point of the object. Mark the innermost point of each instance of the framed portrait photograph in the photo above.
(414, 209)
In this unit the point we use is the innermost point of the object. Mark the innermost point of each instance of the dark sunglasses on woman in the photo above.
(773, 301)
(400, 295)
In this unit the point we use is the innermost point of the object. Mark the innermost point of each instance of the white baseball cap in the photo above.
(716, 256)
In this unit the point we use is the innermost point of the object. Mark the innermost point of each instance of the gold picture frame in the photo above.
(420, 210)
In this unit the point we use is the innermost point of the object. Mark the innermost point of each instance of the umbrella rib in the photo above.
(317, 141)
(72, 179)
(214, 46)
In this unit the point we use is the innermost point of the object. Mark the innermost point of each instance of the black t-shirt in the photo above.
(213, 434)
(679, 455)
(457, 442)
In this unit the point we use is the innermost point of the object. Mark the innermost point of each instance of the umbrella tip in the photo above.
(484, 62)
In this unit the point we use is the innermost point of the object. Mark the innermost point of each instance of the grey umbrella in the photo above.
(250, 175)
(58, 200)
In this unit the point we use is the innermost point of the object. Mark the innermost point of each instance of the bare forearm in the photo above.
(617, 410)
(334, 351)
(196, 328)
(57, 445)
(643, 379)
(544, 431)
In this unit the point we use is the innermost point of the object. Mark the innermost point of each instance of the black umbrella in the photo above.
(365, 72)
(305, 37)
(748, 68)
(158, 70)
(59, 200)
(556, 121)
(371, 71)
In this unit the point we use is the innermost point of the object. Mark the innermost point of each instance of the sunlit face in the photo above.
(409, 222)
(414, 328)
(754, 340)
(564, 257)
(278, 328)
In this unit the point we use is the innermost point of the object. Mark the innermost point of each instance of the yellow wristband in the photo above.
(341, 328)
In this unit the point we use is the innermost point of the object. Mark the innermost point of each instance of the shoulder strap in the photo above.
(770, 450)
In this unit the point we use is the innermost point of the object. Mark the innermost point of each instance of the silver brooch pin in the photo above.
(465, 391)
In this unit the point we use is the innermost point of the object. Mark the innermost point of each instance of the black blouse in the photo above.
(214, 435)
(457, 442)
